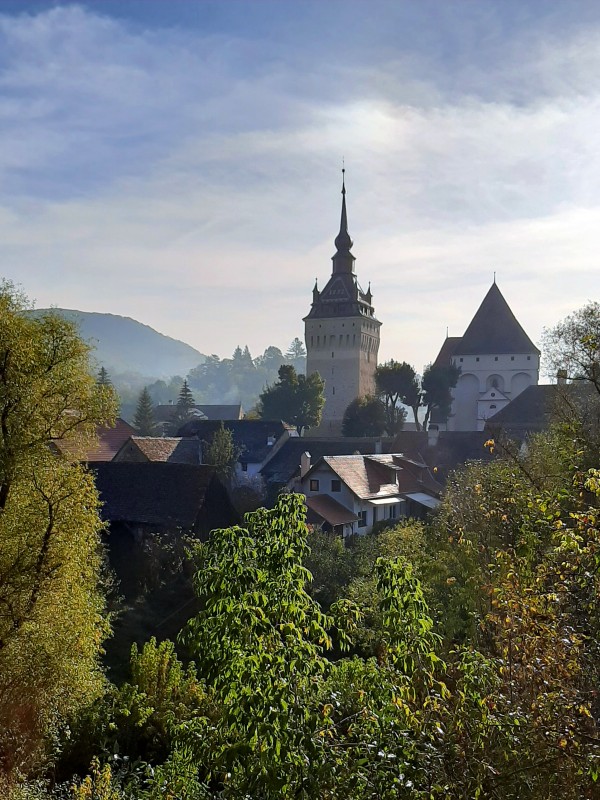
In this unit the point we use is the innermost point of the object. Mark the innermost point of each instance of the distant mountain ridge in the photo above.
(122, 344)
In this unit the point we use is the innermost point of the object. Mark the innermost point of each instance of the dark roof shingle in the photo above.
(494, 329)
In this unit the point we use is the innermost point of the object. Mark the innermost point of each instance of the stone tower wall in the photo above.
(343, 350)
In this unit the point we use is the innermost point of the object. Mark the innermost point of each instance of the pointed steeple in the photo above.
(494, 329)
(343, 260)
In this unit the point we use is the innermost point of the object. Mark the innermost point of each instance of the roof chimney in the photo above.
(304, 463)
(433, 434)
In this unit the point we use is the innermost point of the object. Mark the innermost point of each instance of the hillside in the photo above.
(122, 345)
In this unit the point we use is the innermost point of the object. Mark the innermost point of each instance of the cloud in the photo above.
(190, 179)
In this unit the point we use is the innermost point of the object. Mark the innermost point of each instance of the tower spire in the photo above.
(343, 260)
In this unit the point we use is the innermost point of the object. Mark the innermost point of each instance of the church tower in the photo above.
(497, 361)
(342, 334)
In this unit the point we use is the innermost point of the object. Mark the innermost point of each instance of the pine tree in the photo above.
(103, 378)
(144, 420)
(184, 408)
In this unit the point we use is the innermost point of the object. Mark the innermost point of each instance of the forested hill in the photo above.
(123, 345)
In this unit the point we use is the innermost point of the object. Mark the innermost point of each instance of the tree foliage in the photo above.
(366, 416)
(295, 399)
(51, 612)
(221, 452)
(436, 384)
(144, 420)
(573, 346)
(184, 408)
(397, 383)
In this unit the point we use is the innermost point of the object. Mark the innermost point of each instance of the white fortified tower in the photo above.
(497, 361)
(342, 335)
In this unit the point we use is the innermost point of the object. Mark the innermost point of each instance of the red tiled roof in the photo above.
(110, 441)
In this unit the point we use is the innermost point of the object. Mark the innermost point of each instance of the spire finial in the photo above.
(343, 175)
(494, 276)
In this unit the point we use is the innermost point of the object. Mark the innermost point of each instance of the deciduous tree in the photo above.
(295, 399)
(398, 383)
(51, 611)
(365, 416)
(436, 384)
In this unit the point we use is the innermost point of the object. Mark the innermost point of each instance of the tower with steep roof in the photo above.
(497, 361)
(342, 334)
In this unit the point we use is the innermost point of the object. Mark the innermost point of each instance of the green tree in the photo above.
(259, 640)
(573, 346)
(365, 416)
(398, 383)
(436, 386)
(184, 408)
(51, 610)
(103, 378)
(144, 421)
(296, 399)
(221, 452)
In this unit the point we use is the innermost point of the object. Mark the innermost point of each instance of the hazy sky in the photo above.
(178, 161)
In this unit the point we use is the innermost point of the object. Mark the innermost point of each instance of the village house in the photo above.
(350, 494)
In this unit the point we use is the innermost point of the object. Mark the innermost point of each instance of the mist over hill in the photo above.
(123, 345)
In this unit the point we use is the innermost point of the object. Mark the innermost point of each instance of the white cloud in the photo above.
(191, 181)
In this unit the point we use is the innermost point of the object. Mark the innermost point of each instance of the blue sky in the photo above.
(179, 161)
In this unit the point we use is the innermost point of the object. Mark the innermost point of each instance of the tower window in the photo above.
(495, 358)
(333, 390)
(461, 360)
(512, 358)
(528, 358)
(477, 358)
(332, 354)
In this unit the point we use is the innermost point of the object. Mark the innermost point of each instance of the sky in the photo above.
(179, 161)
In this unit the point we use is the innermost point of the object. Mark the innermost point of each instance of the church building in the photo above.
(342, 335)
(497, 361)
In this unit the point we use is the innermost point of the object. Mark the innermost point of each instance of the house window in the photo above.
(461, 360)
(477, 358)
(336, 485)
(374, 515)
(244, 467)
(314, 485)
(495, 358)
(492, 406)
(528, 358)
(333, 389)
(393, 512)
(362, 519)
(332, 355)
(512, 358)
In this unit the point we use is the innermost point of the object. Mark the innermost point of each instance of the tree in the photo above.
(183, 409)
(365, 416)
(295, 350)
(260, 639)
(51, 611)
(296, 355)
(573, 346)
(144, 421)
(398, 383)
(436, 384)
(221, 452)
(103, 378)
(296, 399)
